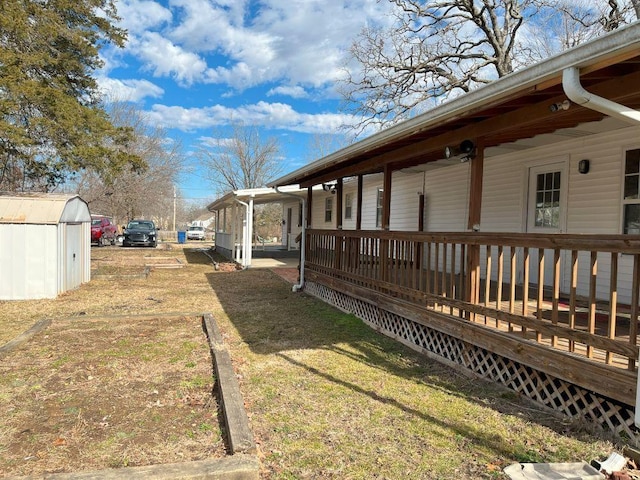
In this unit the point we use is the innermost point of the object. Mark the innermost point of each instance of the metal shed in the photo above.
(45, 244)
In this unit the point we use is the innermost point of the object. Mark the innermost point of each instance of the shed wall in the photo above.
(28, 255)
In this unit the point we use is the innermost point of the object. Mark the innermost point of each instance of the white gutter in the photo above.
(300, 285)
(577, 94)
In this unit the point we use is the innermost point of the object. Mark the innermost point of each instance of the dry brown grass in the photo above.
(328, 398)
(121, 377)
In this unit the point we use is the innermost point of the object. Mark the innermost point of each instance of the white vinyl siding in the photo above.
(405, 201)
(503, 201)
(371, 184)
(447, 198)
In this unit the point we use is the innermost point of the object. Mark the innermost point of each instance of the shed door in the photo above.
(73, 256)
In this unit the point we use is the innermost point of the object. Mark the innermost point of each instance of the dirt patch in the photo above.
(99, 393)
(92, 392)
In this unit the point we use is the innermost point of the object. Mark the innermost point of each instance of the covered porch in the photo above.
(236, 234)
(545, 303)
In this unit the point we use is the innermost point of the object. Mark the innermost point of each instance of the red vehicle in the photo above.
(103, 231)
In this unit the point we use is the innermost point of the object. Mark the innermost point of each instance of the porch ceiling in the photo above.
(500, 122)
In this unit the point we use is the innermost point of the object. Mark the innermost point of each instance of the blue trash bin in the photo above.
(182, 237)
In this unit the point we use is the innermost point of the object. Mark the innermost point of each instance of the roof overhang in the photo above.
(511, 109)
(258, 195)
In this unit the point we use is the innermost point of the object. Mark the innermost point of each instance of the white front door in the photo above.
(546, 212)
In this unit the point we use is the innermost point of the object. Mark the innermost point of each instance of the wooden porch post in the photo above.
(475, 210)
(339, 204)
(309, 203)
(386, 198)
(359, 204)
(385, 257)
(339, 238)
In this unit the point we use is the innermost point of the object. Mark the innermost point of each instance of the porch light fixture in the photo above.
(583, 166)
(329, 187)
(466, 151)
(556, 107)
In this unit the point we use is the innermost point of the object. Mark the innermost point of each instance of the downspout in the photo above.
(300, 285)
(245, 233)
(577, 94)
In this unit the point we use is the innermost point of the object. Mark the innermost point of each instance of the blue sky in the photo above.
(195, 65)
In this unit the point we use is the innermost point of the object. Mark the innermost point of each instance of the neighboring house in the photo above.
(45, 245)
(499, 232)
(235, 237)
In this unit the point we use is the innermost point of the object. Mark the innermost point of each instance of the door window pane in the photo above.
(631, 198)
(632, 218)
(547, 213)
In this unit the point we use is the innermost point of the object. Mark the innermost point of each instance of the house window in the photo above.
(379, 207)
(547, 209)
(348, 203)
(328, 208)
(631, 201)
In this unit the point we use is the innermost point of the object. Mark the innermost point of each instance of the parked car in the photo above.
(103, 231)
(140, 232)
(195, 233)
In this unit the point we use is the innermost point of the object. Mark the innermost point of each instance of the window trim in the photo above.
(328, 209)
(379, 207)
(623, 201)
(348, 206)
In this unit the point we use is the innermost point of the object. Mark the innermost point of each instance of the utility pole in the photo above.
(174, 208)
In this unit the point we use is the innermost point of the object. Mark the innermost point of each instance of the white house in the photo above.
(45, 245)
(499, 232)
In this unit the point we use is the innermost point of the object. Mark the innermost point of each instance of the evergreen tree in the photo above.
(51, 121)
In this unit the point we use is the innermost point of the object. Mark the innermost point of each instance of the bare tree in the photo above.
(242, 161)
(564, 24)
(321, 145)
(435, 49)
(439, 49)
(127, 193)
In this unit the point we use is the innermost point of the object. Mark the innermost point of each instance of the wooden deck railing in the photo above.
(577, 293)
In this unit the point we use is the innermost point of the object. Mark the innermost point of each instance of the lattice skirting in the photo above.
(546, 390)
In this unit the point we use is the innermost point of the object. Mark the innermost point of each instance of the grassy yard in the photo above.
(327, 396)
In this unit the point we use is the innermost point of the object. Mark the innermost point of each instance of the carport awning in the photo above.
(259, 196)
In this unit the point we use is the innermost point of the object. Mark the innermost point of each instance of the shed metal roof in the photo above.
(42, 208)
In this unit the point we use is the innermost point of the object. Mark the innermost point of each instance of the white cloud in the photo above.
(261, 114)
(243, 44)
(293, 91)
(138, 16)
(129, 90)
(164, 58)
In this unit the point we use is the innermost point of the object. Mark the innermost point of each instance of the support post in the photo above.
(475, 211)
(309, 205)
(339, 185)
(359, 204)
